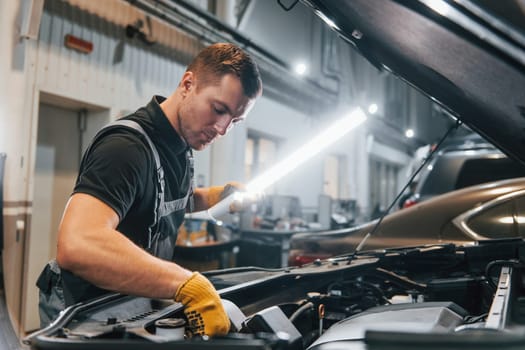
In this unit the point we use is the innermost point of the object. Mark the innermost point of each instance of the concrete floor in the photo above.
(8, 338)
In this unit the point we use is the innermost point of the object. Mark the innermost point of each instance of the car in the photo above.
(470, 58)
(462, 162)
(459, 217)
(438, 294)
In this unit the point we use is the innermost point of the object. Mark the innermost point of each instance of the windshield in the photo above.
(450, 173)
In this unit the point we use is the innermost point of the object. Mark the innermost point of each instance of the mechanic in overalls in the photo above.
(119, 227)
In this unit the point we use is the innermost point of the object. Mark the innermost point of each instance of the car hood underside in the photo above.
(462, 55)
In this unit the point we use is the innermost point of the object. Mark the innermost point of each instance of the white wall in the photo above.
(31, 69)
(15, 134)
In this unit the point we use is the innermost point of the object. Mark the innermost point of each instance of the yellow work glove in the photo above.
(202, 307)
(218, 193)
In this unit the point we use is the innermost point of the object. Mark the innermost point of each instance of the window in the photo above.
(331, 176)
(457, 170)
(260, 154)
(383, 186)
(336, 176)
(474, 171)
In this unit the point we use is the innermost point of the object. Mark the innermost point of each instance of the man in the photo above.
(114, 234)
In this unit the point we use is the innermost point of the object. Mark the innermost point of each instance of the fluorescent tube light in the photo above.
(285, 166)
(310, 149)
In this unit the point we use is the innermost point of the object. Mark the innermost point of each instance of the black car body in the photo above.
(444, 296)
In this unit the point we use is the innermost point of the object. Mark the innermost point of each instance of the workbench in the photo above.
(265, 248)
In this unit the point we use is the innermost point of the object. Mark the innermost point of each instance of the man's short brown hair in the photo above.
(219, 59)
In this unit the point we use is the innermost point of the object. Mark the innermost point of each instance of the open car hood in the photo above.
(467, 56)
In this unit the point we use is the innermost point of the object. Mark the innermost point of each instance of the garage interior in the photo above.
(71, 66)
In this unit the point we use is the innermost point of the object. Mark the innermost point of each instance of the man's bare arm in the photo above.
(200, 199)
(90, 246)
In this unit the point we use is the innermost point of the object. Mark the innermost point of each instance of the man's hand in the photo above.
(218, 193)
(203, 307)
(241, 202)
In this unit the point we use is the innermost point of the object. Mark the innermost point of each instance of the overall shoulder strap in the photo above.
(159, 198)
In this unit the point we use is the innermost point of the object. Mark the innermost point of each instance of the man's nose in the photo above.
(223, 125)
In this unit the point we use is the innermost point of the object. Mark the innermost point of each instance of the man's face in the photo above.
(208, 112)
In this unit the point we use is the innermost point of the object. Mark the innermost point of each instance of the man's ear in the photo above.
(187, 81)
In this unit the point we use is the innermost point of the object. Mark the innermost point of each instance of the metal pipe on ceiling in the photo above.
(196, 27)
(305, 94)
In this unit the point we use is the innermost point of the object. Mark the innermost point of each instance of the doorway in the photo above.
(335, 176)
(65, 128)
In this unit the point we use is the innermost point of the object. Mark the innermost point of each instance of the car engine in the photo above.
(443, 295)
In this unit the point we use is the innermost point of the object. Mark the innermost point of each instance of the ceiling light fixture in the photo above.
(300, 68)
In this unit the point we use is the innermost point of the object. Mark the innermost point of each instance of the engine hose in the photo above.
(301, 310)
(499, 263)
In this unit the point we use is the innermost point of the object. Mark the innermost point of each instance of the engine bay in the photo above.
(395, 298)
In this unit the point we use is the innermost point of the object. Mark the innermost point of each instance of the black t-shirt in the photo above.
(119, 169)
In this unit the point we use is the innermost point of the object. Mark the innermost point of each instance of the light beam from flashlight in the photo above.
(285, 166)
(307, 151)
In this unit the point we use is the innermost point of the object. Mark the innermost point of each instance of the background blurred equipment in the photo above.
(203, 246)
(265, 248)
(336, 213)
(196, 232)
(207, 257)
(344, 212)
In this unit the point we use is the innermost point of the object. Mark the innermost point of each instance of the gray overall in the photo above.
(52, 298)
